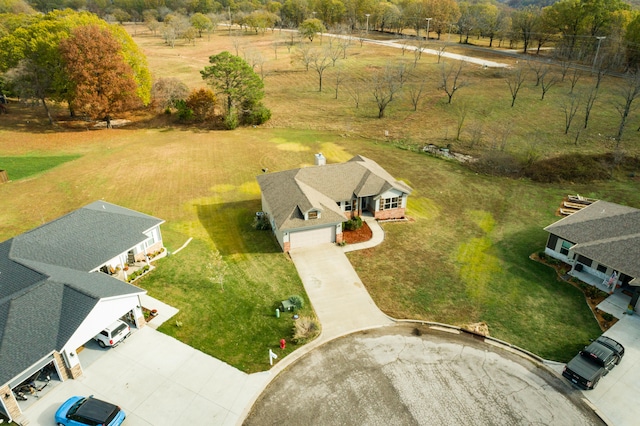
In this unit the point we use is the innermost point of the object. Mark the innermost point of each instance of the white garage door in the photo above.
(312, 237)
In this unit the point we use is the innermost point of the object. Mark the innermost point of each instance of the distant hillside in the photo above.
(517, 4)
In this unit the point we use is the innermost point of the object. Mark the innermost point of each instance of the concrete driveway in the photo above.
(616, 396)
(392, 376)
(158, 380)
(342, 303)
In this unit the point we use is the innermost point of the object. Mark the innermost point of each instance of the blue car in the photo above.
(83, 411)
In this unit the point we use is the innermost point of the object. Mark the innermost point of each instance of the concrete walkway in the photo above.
(376, 238)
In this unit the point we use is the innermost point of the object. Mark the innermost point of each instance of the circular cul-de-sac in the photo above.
(393, 376)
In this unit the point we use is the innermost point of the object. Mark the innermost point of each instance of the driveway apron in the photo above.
(616, 396)
(337, 294)
(158, 381)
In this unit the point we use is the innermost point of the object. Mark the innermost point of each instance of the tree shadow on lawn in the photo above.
(230, 227)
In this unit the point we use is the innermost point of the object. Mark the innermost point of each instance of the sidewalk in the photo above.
(165, 312)
(376, 239)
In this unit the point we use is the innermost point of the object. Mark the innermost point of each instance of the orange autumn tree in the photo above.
(101, 82)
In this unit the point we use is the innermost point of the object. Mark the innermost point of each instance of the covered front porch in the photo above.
(129, 266)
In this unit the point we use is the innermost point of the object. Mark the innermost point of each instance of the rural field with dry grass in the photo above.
(462, 258)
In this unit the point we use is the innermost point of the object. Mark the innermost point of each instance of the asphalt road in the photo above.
(391, 376)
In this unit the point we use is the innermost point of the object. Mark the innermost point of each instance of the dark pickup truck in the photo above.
(593, 362)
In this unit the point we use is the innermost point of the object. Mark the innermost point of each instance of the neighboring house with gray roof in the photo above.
(307, 206)
(64, 282)
(601, 242)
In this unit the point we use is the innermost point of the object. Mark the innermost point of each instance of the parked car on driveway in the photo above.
(82, 411)
(594, 362)
(113, 335)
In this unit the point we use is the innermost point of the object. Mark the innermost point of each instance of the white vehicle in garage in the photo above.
(113, 335)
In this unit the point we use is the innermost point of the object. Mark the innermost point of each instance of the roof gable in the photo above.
(606, 232)
(85, 238)
(44, 297)
(292, 193)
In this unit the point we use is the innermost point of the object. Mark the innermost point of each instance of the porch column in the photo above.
(9, 402)
(634, 298)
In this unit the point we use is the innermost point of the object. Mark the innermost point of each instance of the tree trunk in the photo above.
(46, 108)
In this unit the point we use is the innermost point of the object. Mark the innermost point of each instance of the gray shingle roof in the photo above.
(605, 232)
(43, 296)
(85, 238)
(292, 192)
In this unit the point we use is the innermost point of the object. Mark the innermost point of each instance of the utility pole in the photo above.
(595, 59)
(428, 21)
(367, 15)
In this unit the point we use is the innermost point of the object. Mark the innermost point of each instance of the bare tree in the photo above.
(462, 111)
(477, 129)
(538, 69)
(320, 61)
(216, 268)
(591, 99)
(339, 78)
(629, 91)
(575, 76)
(404, 44)
(402, 73)
(275, 43)
(361, 38)
(570, 108)
(334, 52)
(515, 79)
(304, 54)
(384, 86)
(504, 136)
(416, 91)
(546, 82)
(451, 82)
(600, 73)
(236, 42)
(355, 91)
(417, 52)
(565, 63)
(440, 51)
(252, 57)
(344, 41)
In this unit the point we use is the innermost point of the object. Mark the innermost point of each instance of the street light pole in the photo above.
(595, 59)
(428, 21)
(367, 15)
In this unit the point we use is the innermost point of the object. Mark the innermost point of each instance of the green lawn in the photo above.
(464, 256)
(22, 167)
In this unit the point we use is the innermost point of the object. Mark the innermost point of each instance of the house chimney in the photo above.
(320, 160)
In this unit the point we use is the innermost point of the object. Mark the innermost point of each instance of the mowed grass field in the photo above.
(535, 127)
(462, 258)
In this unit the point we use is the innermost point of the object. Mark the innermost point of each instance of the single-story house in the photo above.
(601, 242)
(307, 206)
(59, 288)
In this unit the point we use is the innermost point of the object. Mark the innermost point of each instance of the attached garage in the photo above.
(312, 237)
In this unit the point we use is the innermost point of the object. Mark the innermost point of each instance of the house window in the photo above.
(153, 237)
(566, 245)
(390, 203)
(602, 268)
(553, 241)
(348, 205)
(585, 261)
(312, 215)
